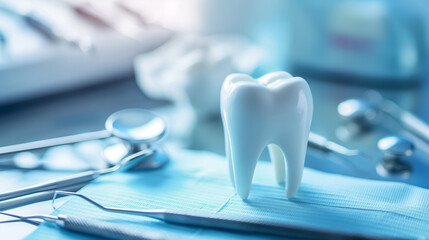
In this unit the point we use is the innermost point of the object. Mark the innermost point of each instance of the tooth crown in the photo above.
(274, 110)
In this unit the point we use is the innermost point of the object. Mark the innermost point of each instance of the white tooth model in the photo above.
(274, 110)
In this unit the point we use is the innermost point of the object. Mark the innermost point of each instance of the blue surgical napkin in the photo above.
(199, 181)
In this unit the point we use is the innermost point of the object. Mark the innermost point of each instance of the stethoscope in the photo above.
(363, 114)
(138, 128)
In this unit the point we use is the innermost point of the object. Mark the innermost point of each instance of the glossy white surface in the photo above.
(275, 110)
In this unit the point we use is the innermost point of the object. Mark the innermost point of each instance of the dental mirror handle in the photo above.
(68, 181)
(409, 121)
(317, 141)
(415, 125)
(323, 144)
(47, 143)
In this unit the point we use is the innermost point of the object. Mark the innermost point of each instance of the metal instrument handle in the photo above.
(415, 125)
(220, 222)
(68, 181)
(409, 121)
(47, 143)
(317, 141)
(105, 229)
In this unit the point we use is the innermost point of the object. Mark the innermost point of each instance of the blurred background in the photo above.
(66, 65)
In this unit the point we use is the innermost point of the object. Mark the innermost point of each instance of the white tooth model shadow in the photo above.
(274, 110)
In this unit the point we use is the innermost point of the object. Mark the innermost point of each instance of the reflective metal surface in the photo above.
(395, 163)
(394, 167)
(136, 126)
(394, 146)
(357, 110)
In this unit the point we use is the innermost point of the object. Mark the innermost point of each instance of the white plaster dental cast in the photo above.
(275, 110)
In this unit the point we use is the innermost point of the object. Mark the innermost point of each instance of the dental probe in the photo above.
(323, 144)
(351, 157)
(228, 223)
(29, 220)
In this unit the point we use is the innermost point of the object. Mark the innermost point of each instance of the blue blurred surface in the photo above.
(199, 181)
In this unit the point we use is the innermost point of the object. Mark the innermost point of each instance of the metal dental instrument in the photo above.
(351, 157)
(134, 126)
(220, 222)
(318, 142)
(395, 149)
(27, 219)
(47, 30)
(35, 197)
(79, 178)
(83, 225)
(363, 111)
(137, 126)
(408, 120)
(359, 111)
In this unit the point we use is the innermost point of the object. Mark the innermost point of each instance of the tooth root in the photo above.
(295, 158)
(228, 157)
(243, 166)
(231, 173)
(244, 157)
(278, 161)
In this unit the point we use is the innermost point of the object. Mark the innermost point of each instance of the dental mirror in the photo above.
(138, 128)
(360, 115)
(357, 110)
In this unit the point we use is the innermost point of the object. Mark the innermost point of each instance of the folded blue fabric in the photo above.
(199, 181)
